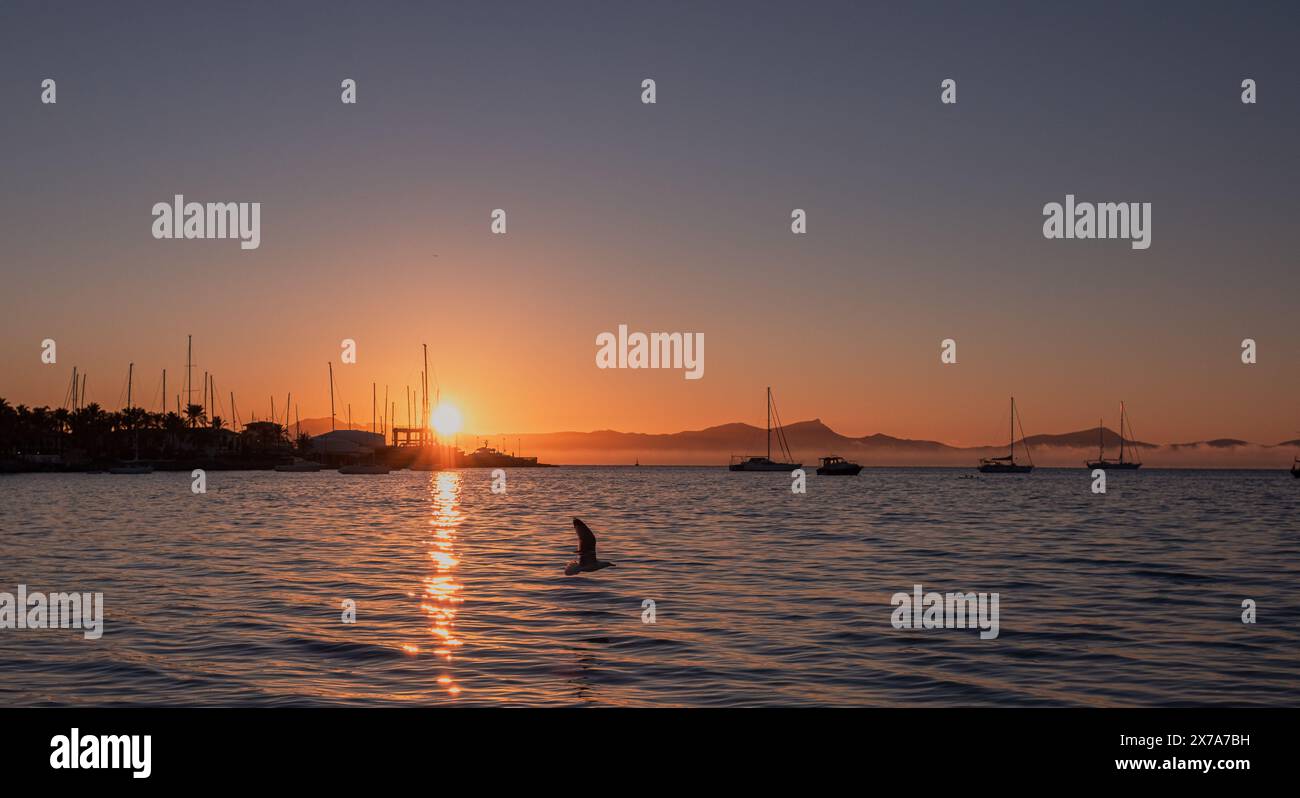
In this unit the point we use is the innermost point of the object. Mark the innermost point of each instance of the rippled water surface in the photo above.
(761, 596)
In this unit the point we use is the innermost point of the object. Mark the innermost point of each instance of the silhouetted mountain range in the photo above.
(1217, 443)
(813, 439)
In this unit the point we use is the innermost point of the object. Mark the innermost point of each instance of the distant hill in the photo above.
(808, 439)
(1217, 443)
(1084, 439)
(813, 439)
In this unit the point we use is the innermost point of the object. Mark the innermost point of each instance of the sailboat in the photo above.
(757, 463)
(1295, 468)
(1114, 465)
(1008, 464)
(134, 465)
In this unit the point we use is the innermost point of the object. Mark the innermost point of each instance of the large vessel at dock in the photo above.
(487, 457)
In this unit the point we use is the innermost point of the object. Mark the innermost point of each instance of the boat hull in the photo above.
(1295, 472)
(1005, 468)
(1106, 466)
(768, 466)
(843, 470)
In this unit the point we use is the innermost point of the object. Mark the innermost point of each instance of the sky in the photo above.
(924, 219)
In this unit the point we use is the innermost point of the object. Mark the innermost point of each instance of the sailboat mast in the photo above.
(373, 406)
(769, 422)
(1013, 429)
(1121, 431)
(331, 365)
(130, 372)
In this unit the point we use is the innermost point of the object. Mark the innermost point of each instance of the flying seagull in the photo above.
(586, 552)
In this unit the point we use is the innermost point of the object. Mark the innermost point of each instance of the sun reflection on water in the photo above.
(441, 590)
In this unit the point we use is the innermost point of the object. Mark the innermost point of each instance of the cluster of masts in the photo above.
(380, 419)
(207, 412)
(418, 403)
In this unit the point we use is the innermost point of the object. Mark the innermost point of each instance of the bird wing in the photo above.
(586, 540)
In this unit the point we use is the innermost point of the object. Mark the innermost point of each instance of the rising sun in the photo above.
(446, 419)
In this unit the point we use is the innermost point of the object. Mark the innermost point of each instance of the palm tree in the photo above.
(8, 426)
(135, 418)
(173, 425)
(62, 418)
(88, 425)
(41, 429)
(195, 415)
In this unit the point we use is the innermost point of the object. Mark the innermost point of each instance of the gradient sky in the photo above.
(924, 219)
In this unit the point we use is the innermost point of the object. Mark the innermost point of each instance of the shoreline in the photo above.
(169, 468)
